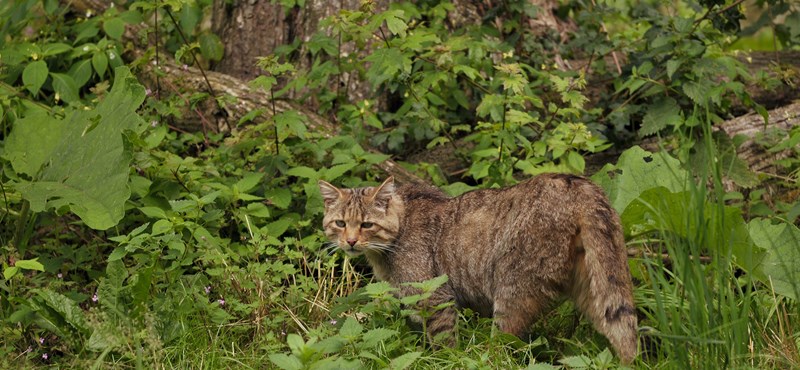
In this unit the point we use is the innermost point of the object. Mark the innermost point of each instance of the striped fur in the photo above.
(509, 253)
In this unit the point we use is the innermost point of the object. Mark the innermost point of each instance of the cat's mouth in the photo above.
(351, 251)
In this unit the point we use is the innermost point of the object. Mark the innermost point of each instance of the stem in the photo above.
(21, 221)
(274, 124)
(200, 67)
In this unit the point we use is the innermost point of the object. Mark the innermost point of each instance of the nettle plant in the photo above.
(445, 85)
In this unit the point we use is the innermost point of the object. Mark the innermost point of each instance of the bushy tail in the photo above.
(603, 289)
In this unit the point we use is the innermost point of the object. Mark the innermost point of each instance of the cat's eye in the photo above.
(340, 223)
(367, 225)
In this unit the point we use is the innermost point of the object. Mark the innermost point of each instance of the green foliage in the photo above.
(135, 245)
(79, 162)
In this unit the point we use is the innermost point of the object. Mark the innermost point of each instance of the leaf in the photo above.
(33, 264)
(542, 366)
(100, 63)
(88, 171)
(280, 197)
(290, 122)
(375, 336)
(81, 72)
(662, 113)
(249, 181)
(34, 75)
(781, 263)
(161, 227)
(285, 361)
(638, 170)
(10, 271)
(65, 307)
(211, 46)
(387, 64)
(395, 22)
(696, 91)
(65, 87)
(257, 210)
(576, 362)
(303, 171)
(31, 142)
(404, 361)
(351, 328)
(337, 171)
(114, 28)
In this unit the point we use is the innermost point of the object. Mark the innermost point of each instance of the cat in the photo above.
(508, 253)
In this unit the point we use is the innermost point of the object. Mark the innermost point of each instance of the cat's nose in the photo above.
(352, 242)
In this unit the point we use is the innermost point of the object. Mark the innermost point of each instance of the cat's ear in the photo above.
(381, 195)
(330, 193)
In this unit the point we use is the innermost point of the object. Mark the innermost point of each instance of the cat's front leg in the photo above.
(440, 312)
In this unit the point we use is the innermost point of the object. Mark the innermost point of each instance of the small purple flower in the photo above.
(185, 67)
(147, 91)
(45, 356)
(333, 322)
(41, 340)
(153, 123)
(221, 302)
(94, 298)
(60, 275)
(207, 289)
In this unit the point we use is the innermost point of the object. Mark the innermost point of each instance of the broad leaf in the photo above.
(664, 112)
(34, 75)
(638, 170)
(87, 169)
(781, 264)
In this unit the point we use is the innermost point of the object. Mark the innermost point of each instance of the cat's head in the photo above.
(361, 220)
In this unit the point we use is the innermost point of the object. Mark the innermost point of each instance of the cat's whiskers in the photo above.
(381, 247)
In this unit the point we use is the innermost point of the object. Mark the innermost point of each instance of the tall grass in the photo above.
(707, 312)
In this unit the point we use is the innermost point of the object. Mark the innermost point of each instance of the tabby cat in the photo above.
(509, 253)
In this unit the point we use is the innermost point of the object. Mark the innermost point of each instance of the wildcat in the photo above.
(509, 253)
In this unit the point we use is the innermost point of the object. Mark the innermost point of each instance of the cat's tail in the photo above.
(603, 289)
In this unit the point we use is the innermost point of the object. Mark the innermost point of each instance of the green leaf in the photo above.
(290, 122)
(55, 49)
(211, 46)
(32, 141)
(351, 328)
(81, 72)
(303, 171)
(114, 28)
(249, 181)
(65, 307)
(30, 264)
(337, 171)
(285, 361)
(257, 210)
(542, 366)
(375, 336)
(34, 75)
(88, 171)
(781, 264)
(696, 91)
(65, 87)
(404, 361)
(395, 22)
(662, 113)
(638, 170)
(280, 197)
(10, 271)
(577, 362)
(387, 64)
(100, 63)
(161, 227)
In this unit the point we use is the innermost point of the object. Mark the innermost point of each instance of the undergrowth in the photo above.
(130, 243)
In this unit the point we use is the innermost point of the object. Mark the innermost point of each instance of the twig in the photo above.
(200, 67)
(202, 117)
